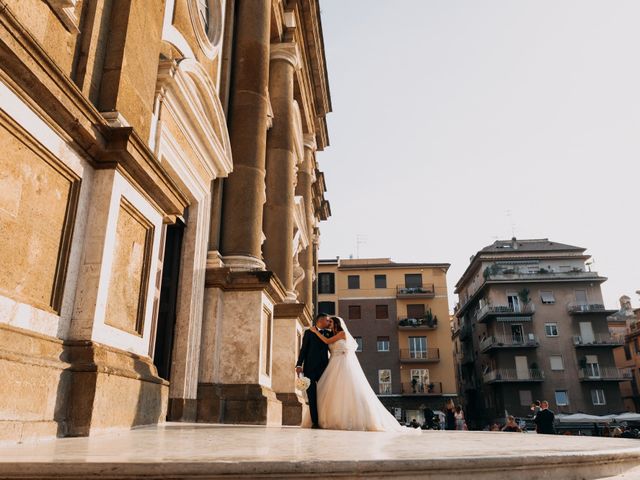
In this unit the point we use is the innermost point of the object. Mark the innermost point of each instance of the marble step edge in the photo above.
(589, 465)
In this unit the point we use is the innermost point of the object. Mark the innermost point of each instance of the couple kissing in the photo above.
(339, 394)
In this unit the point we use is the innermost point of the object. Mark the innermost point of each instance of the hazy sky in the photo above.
(447, 114)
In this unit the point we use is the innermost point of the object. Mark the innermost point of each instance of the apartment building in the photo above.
(626, 323)
(531, 324)
(399, 314)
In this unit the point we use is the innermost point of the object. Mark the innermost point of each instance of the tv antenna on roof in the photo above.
(360, 240)
(513, 225)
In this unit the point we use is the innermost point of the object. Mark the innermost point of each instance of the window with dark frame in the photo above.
(326, 282)
(380, 281)
(353, 282)
(382, 311)
(415, 310)
(355, 312)
(412, 280)
(328, 308)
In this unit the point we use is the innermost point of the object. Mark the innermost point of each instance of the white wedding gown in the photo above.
(346, 400)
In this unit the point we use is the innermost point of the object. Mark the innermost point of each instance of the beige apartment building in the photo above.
(531, 325)
(160, 204)
(399, 314)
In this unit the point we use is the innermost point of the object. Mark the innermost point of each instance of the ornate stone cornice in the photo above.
(289, 52)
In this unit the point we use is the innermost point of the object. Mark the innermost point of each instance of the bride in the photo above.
(346, 401)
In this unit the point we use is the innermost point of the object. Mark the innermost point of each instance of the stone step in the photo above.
(235, 452)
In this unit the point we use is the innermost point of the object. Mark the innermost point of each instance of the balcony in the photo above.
(505, 341)
(420, 389)
(582, 308)
(514, 274)
(504, 375)
(421, 323)
(604, 374)
(467, 358)
(507, 274)
(522, 313)
(465, 332)
(599, 340)
(420, 356)
(420, 291)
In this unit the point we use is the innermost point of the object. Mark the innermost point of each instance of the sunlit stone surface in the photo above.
(206, 451)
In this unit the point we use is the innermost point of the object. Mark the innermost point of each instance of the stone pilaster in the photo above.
(290, 321)
(244, 190)
(236, 368)
(281, 160)
(304, 188)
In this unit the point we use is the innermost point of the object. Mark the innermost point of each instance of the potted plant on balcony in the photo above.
(428, 318)
(491, 270)
(583, 362)
(430, 388)
(524, 296)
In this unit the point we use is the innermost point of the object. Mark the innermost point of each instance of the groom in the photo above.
(313, 359)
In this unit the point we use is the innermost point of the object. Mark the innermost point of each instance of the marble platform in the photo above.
(239, 452)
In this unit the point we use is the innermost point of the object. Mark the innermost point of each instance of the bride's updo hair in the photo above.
(337, 326)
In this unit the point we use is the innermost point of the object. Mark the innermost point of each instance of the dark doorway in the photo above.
(168, 299)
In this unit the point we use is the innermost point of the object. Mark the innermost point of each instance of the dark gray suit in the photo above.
(313, 358)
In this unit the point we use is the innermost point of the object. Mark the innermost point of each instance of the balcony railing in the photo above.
(384, 389)
(504, 310)
(422, 323)
(513, 375)
(420, 356)
(424, 290)
(586, 308)
(505, 341)
(433, 388)
(604, 374)
(599, 340)
(542, 274)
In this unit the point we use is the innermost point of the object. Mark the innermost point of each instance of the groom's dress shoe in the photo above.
(315, 425)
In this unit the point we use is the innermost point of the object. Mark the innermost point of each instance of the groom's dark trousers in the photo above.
(313, 358)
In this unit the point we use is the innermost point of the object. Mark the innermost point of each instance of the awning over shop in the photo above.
(585, 418)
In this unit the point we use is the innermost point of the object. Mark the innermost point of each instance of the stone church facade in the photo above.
(160, 203)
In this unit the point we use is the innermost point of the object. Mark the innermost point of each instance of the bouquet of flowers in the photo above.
(302, 382)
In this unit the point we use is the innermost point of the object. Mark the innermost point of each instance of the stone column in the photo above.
(280, 176)
(304, 188)
(244, 190)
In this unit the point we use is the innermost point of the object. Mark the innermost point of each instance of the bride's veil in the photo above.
(351, 342)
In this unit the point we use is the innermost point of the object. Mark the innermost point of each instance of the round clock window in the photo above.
(203, 12)
(206, 17)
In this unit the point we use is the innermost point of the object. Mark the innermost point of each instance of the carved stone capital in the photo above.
(289, 52)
